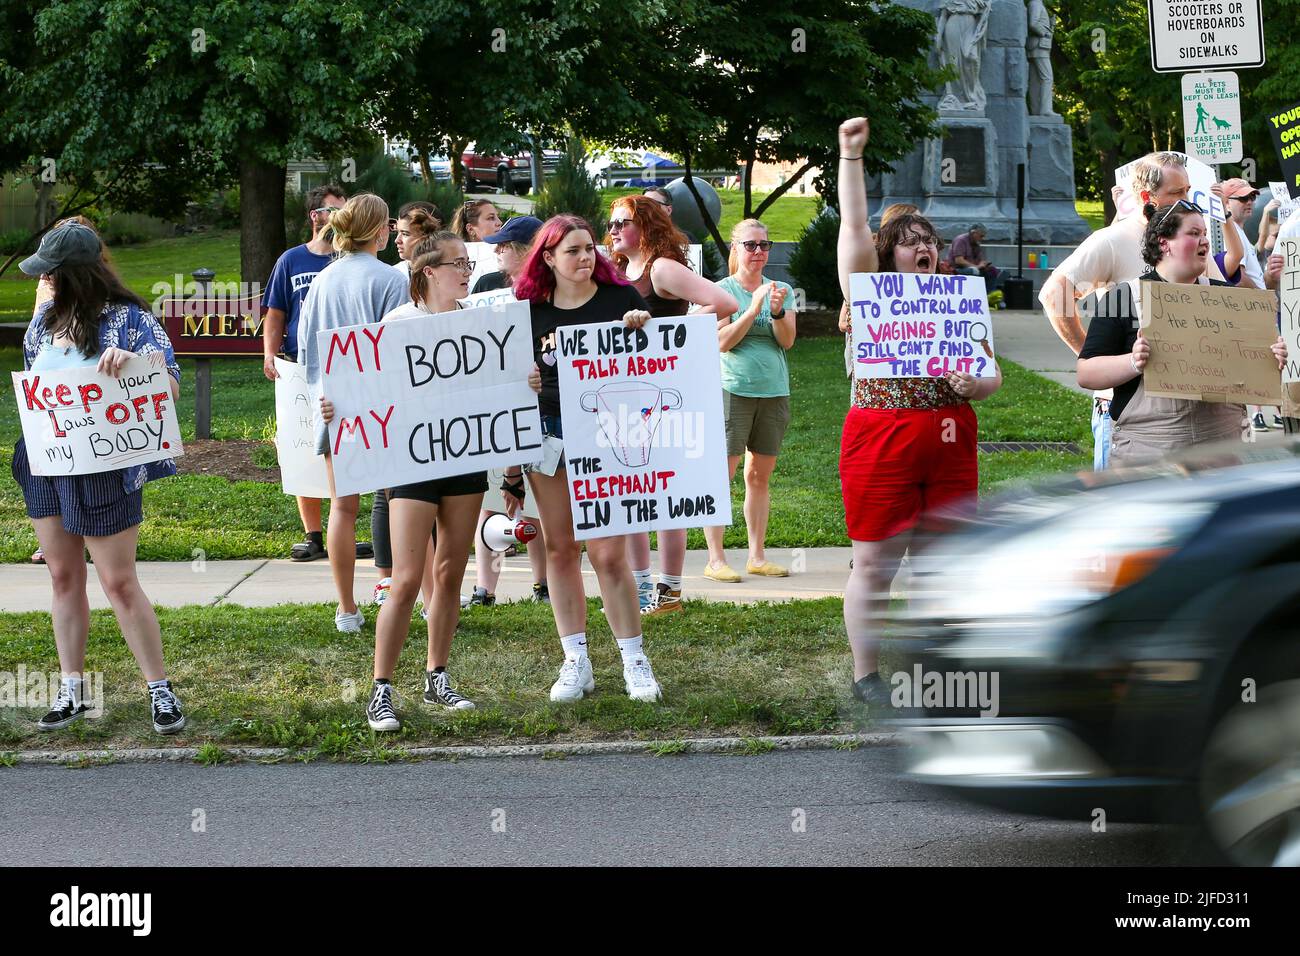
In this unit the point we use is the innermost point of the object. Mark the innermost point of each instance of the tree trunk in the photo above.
(778, 192)
(749, 187)
(261, 219)
(1109, 160)
(457, 170)
(426, 171)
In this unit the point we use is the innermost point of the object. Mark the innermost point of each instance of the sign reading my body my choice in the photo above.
(908, 325)
(430, 397)
(80, 422)
(644, 443)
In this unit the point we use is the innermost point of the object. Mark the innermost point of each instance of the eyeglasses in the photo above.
(915, 241)
(753, 245)
(1181, 204)
(615, 225)
(464, 265)
(327, 209)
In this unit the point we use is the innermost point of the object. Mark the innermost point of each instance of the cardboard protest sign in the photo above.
(1200, 178)
(79, 422)
(302, 471)
(1211, 343)
(644, 443)
(493, 297)
(908, 325)
(1284, 125)
(430, 397)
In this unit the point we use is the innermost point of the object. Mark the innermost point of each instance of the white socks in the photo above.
(630, 648)
(671, 581)
(74, 684)
(575, 645)
(642, 577)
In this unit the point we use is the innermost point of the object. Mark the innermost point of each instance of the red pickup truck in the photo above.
(508, 173)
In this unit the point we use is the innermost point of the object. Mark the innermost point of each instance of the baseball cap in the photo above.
(1238, 189)
(516, 229)
(71, 244)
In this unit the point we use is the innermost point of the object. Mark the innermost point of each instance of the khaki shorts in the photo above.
(755, 424)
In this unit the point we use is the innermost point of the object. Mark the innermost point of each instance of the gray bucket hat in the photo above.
(69, 244)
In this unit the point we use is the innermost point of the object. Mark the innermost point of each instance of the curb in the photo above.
(698, 745)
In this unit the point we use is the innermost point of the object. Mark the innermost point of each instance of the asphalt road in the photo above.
(638, 810)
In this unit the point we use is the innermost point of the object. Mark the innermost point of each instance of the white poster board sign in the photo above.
(1222, 35)
(79, 422)
(1199, 175)
(430, 397)
(484, 257)
(302, 471)
(1286, 205)
(695, 258)
(1289, 289)
(907, 325)
(477, 300)
(644, 444)
(1212, 117)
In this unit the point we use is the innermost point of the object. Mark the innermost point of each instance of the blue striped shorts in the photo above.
(90, 505)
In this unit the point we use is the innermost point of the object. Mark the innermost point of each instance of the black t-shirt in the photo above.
(490, 283)
(609, 304)
(1114, 329)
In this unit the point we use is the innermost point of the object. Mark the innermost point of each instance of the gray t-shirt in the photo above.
(354, 289)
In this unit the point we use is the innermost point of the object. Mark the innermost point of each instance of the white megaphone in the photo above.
(501, 531)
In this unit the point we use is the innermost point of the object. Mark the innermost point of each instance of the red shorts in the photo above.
(898, 463)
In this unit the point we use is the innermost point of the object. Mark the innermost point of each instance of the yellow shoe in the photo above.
(767, 569)
(725, 574)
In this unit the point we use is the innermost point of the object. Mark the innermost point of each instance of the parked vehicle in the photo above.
(509, 173)
(1142, 625)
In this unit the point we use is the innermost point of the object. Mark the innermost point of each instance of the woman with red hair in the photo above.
(648, 248)
(569, 283)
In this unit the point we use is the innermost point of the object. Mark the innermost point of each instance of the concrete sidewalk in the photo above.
(814, 573)
(1027, 338)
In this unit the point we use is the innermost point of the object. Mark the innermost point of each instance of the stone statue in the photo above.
(963, 25)
(1038, 49)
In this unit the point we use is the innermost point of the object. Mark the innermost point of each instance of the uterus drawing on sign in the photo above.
(629, 414)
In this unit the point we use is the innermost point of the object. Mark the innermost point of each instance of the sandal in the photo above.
(307, 551)
(38, 556)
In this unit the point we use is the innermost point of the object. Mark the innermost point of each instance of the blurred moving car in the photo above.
(1144, 628)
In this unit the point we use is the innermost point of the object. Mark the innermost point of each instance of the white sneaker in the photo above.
(381, 591)
(575, 680)
(349, 623)
(640, 681)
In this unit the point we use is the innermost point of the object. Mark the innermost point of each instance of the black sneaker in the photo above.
(1277, 422)
(1258, 422)
(307, 550)
(542, 593)
(871, 690)
(63, 711)
(438, 690)
(482, 599)
(379, 712)
(167, 716)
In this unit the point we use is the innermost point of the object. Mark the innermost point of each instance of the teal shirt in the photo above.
(756, 366)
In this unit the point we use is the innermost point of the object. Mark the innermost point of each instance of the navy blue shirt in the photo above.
(290, 280)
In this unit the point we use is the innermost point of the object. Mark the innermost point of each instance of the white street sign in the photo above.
(1212, 117)
(1205, 35)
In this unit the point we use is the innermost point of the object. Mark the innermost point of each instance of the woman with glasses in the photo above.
(440, 271)
(355, 288)
(755, 389)
(1176, 246)
(648, 248)
(909, 444)
(569, 283)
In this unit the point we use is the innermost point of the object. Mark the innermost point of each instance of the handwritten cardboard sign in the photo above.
(1211, 343)
(430, 397)
(644, 442)
(302, 471)
(79, 422)
(907, 325)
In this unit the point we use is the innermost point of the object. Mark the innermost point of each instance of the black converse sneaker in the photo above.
(63, 712)
(167, 716)
(438, 690)
(379, 712)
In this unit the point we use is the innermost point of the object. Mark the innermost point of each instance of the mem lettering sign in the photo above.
(1189, 35)
(217, 327)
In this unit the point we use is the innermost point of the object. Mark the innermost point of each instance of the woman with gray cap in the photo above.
(93, 321)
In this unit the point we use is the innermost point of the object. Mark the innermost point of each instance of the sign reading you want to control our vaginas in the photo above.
(79, 422)
(907, 325)
(430, 397)
(644, 443)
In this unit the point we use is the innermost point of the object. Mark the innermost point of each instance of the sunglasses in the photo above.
(326, 210)
(753, 245)
(616, 225)
(1181, 204)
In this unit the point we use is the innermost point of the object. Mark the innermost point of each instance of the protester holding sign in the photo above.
(285, 291)
(909, 444)
(440, 271)
(755, 390)
(1115, 353)
(569, 283)
(94, 321)
(356, 289)
(647, 247)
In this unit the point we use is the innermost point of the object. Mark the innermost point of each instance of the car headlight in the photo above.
(1059, 564)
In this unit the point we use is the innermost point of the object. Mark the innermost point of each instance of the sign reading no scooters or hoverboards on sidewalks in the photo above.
(1205, 35)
